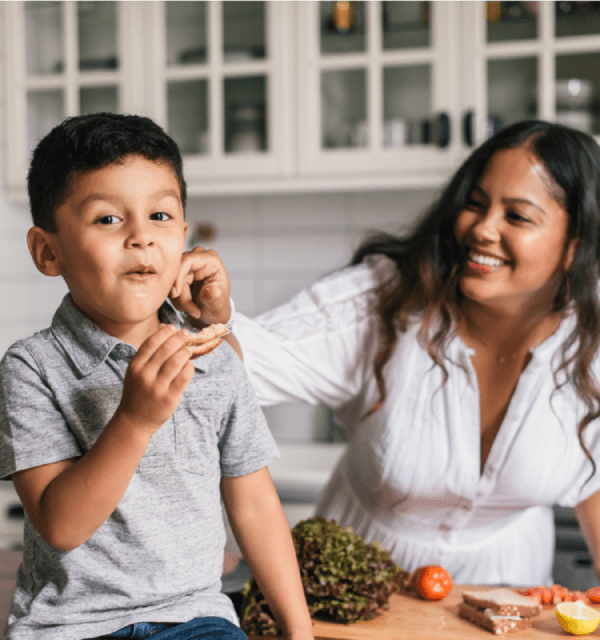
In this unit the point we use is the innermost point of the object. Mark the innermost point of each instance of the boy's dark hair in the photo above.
(85, 143)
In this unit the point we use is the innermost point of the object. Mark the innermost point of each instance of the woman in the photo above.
(462, 362)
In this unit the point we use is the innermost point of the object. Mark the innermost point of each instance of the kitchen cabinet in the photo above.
(308, 95)
(214, 74)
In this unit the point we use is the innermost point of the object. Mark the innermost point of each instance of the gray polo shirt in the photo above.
(159, 557)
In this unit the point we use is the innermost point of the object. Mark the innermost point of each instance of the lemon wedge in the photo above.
(577, 617)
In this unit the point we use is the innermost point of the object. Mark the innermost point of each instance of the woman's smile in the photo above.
(484, 263)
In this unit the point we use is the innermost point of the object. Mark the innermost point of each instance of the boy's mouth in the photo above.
(141, 270)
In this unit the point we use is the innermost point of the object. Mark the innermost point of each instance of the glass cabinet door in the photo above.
(44, 59)
(63, 79)
(378, 85)
(63, 59)
(577, 68)
(406, 109)
(533, 60)
(222, 70)
(511, 81)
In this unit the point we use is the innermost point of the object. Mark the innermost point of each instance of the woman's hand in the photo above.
(201, 288)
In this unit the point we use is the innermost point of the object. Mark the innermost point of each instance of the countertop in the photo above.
(411, 618)
(407, 618)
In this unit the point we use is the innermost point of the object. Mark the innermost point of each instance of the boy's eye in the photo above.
(160, 215)
(110, 219)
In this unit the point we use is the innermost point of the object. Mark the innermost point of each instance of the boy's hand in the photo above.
(201, 288)
(156, 378)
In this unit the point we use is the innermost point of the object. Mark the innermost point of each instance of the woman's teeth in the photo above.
(485, 264)
(486, 261)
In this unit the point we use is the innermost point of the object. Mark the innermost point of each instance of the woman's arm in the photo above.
(588, 514)
(264, 537)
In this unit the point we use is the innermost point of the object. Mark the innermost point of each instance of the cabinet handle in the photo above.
(468, 137)
(441, 130)
(15, 512)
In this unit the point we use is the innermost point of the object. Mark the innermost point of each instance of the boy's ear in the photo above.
(41, 247)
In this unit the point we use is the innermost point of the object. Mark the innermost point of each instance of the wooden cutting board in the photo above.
(411, 618)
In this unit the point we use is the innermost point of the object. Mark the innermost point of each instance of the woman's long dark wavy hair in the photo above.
(429, 260)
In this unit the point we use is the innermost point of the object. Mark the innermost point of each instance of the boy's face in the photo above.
(120, 237)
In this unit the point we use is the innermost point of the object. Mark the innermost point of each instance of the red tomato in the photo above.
(432, 581)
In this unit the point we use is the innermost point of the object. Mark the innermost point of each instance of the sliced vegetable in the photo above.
(554, 595)
(594, 595)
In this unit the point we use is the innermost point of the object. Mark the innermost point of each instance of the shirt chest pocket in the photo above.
(197, 441)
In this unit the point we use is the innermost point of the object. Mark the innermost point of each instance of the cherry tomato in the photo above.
(594, 594)
(432, 581)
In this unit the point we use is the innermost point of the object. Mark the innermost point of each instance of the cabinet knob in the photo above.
(468, 135)
(442, 130)
(15, 512)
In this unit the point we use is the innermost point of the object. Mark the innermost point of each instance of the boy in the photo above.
(118, 445)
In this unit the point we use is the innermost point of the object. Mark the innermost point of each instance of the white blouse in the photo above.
(410, 477)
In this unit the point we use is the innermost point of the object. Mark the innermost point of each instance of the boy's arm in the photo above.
(264, 537)
(68, 501)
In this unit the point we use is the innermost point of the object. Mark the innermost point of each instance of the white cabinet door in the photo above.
(221, 86)
(531, 60)
(215, 75)
(64, 59)
(379, 98)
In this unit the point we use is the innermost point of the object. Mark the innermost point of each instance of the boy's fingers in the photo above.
(161, 346)
(173, 366)
(181, 381)
(151, 344)
(167, 349)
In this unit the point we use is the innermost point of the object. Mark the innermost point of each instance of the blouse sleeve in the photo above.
(318, 346)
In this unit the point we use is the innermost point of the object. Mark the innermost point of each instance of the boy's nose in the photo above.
(140, 235)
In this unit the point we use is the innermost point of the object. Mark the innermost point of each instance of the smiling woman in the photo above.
(462, 361)
(513, 231)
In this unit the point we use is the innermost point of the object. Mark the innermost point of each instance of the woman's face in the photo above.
(514, 233)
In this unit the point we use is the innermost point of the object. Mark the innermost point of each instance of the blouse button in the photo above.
(465, 503)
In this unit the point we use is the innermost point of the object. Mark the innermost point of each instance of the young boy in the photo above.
(119, 446)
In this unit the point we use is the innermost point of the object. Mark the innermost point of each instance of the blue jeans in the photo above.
(209, 628)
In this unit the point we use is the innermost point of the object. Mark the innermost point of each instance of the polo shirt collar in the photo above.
(86, 344)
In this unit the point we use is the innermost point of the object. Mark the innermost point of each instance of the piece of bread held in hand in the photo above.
(206, 340)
